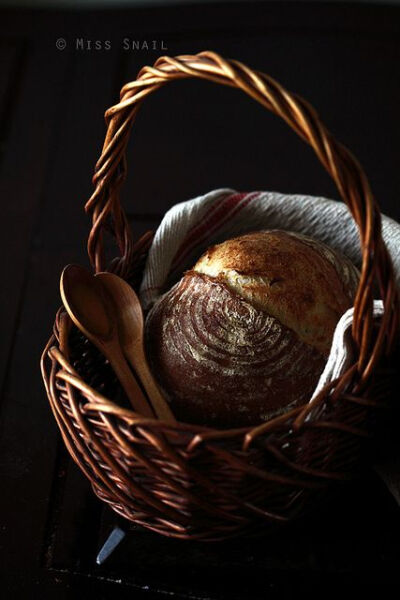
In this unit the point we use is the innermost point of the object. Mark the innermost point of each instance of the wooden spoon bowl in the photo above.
(91, 309)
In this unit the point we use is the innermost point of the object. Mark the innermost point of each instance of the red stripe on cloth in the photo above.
(210, 222)
(197, 232)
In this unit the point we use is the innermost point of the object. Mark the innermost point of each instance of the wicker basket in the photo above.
(194, 482)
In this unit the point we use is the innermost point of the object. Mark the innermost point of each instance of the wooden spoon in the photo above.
(92, 311)
(130, 329)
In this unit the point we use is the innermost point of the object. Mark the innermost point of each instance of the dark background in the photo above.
(190, 137)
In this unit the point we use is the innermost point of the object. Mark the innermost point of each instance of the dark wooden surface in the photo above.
(190, 138)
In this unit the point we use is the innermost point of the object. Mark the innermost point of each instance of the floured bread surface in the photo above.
(244, 336)
(300, 281)
(223, 362)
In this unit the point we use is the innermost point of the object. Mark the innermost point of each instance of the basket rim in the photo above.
(56, 350)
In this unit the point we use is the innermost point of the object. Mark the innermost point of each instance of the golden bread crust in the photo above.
(303, 283)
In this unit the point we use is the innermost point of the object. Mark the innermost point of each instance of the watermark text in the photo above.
(82, 44)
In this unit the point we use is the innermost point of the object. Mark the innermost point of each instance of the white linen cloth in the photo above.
(188, 228)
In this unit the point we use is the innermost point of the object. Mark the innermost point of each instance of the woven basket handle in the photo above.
(343, 167)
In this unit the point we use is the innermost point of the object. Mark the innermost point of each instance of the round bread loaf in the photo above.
(245, 334)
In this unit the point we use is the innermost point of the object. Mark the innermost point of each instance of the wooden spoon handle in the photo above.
(158, 402)
(128, 381)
